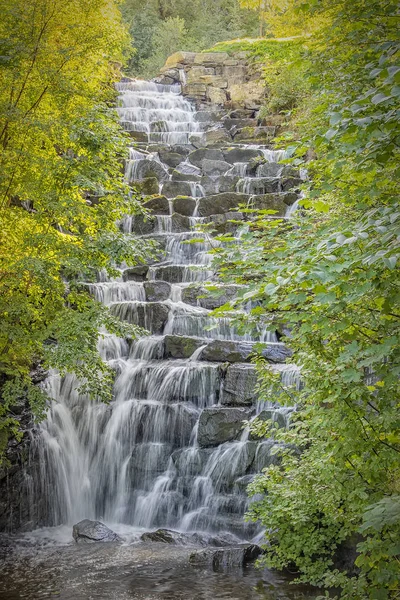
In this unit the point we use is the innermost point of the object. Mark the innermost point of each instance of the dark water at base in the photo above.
(140, 571)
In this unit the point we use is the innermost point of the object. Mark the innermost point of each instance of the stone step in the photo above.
(180, 273)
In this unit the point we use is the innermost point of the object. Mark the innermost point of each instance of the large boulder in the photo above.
(143, 225)
(171, 189)
(215, 167)
(180, 58)
(157, 291)
(225, 559)
(239, 351)
(210, 58)
(216, 95)
(219, 424)
(224, 223)
(242, 155)
(214, 137)
(138, 273)
(184, 205)
(170, 273)
(249, 95)
(239, 386)
(199, 296)
(172, 159)
(197, 157)
(89, 532)
(220, 203)
(181, 346)
(159, 205)
(148, 186)
(150, 315)
(144, 168)
(260, 185)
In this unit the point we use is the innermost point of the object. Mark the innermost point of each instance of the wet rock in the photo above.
(275, 415)
(148, 186)
(225, 559)
(227, 351)
(222, 223)
(171, 189)
(266, 455)
(200, 296)
(172, 159)
(170, 273)
(218, 425)
(89, 532)
(262, 185)
(180, 223)
(197, 157)
(150, 458)
(239, 351)
(243, 482)
(186, 168)
(215, 167)
(290, 183)
(214, 137)
(241, 155)
(143, 225)
(272, 201)
(239, 386)
(159, 205)
(189, 462)
(157, 291)
(220, 203)
(165, 536)
(138, 136)
(177, 176)
(235, 124)
(184, 205)
(138, 273)
(180, 346)
(182, 149)
(149, 168)
(151, 315)
(255, 134)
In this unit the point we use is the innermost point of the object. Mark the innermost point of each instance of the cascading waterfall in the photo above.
(160, 454)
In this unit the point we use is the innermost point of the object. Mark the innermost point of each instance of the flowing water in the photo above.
(170, 450)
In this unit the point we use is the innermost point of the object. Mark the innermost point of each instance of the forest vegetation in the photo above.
(329, 277)
(61, 191)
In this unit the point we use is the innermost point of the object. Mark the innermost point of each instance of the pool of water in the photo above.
(48, 564)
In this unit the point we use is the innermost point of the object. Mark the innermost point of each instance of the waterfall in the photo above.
(170, 449)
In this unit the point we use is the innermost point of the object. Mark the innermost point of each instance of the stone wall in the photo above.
(216, 78)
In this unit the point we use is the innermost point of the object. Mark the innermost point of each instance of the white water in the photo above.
(137, 463)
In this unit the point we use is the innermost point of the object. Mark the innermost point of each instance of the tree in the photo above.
(330, 276)
(61, 189)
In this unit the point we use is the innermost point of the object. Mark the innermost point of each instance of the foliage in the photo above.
(61, 188)
(161, 27)
(330, 277)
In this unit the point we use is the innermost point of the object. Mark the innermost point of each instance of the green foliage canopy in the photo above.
(61, 188)
(331, 277)
(161, 27)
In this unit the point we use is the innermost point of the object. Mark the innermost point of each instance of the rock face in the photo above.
(224, 559)
(173, 440)
(89, 532)
(218, 425)
(240, 386)
(215, 78)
